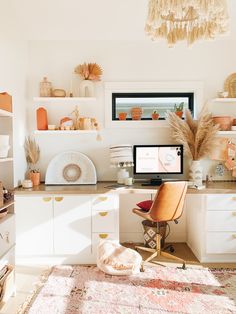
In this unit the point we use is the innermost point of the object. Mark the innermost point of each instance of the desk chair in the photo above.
(167, 206)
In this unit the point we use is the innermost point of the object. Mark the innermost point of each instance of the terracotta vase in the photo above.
(136, 113)
(179, 114)
(35, 178)
(155, 116)
(122, 115)
(224, 122)
(42, 119)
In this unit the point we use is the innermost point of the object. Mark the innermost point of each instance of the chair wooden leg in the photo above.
(143, 248)
(169, 256)
(151, 257)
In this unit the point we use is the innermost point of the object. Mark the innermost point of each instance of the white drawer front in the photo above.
(221, 221)
(221, 202)
(97, 237)
(221, 243)
(7, 234)
(104, 202)
(103, 221)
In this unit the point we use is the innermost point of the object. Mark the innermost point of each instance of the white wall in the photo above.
(140, 60)
(13, 77)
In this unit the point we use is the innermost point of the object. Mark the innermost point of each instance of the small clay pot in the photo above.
(136, 113)
(122, 115)
(155, 116)
(179, 114)
(35, 178)
(224, 122)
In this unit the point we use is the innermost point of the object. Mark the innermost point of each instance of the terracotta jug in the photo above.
(42, 119)
(35, 178)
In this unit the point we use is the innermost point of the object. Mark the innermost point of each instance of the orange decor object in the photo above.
(179, 114)
(224, 122)
(136, 113)
(42, 119)
(122, 115)
(35, 178)
(5, 102)
(155, 116)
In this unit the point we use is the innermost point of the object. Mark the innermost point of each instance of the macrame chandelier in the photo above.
(188, 20)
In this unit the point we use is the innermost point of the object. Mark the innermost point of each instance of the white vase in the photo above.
(86, 88)
(195, 173)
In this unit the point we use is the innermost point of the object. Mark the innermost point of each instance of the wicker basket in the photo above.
(150, 230)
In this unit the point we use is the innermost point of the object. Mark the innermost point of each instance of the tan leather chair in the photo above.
(167, 206)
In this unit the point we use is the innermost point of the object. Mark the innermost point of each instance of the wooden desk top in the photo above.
(219, 187)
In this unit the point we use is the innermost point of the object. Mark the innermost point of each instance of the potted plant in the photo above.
(155, 115)
(136, 113)
(179, 109)
(32, 153)
(122, 115)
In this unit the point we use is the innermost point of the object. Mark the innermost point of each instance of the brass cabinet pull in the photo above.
(234, 213)
(59, 199)
(234, 236)
(103, 235)
(47, 199)
(103, 198)
(103, 214)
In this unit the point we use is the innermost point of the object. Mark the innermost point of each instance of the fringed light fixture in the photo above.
(188, 20)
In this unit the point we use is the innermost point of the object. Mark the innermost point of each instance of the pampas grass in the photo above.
(197, 137)
(32, 152)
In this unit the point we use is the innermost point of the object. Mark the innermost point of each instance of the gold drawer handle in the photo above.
(103, 235)
(103, 214)
(47, 199)
(103, 198)
(59, 199)
(234, 213)
(234, 236)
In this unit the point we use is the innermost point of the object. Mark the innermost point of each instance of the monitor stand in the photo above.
(153, 182)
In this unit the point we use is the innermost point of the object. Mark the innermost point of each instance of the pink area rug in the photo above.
(85, 289)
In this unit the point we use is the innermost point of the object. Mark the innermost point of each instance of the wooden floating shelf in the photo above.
(6, 159)
(72, 100)
(4, 113)
(61, 132)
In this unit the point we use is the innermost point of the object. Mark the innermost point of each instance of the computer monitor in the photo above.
(157, 161)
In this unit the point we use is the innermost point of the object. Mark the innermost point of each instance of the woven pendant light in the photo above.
(188, 20)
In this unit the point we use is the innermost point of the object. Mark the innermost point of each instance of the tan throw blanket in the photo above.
(116, 259)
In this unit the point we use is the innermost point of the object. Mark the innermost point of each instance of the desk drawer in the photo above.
(221, 221)
(97, 237)
(104, 202)
(221, 202)
(7, 233)
(103, 221)
(221, 243)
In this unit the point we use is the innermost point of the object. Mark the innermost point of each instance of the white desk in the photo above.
(66, 222)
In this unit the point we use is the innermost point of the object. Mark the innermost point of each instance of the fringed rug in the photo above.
(87, 290)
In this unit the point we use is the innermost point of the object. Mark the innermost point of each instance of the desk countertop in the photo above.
(220, 187)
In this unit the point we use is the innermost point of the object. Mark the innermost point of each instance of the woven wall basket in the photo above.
(230, 85)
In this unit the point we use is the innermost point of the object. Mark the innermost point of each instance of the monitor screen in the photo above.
(158, 159)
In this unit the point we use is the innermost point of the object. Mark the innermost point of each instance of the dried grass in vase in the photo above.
(32, 153)
(89, 71)
(198, 137)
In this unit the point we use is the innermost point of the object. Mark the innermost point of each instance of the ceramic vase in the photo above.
(42, 119)
(136, 113)
(35, 178)
(86, 88)
(195, 173)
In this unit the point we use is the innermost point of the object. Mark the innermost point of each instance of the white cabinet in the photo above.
(7, 233)
(72, 225)
(212, 227)
(34, 225)
(65, 228)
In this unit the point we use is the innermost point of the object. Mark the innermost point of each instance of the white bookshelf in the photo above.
(62, 132)
(6, 159)
(63, 100)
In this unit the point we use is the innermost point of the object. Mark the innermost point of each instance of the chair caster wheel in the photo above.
(142, 269)
(184, 267)
(172, 249)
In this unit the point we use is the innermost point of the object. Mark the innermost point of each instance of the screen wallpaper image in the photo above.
(158, 160)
